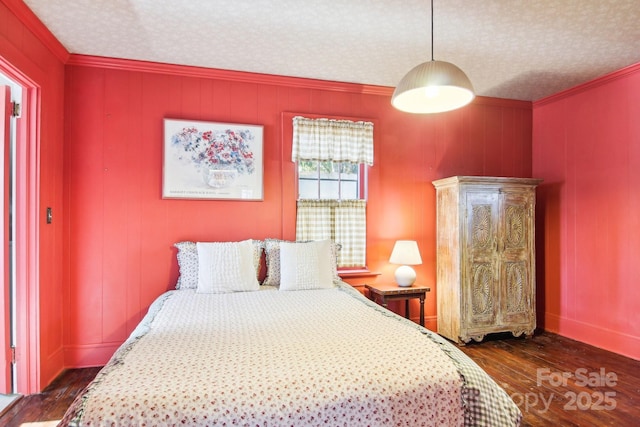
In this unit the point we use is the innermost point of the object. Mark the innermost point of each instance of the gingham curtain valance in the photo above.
(330, 139)
(344, 222)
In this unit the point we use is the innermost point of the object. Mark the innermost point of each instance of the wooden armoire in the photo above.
(485, 256)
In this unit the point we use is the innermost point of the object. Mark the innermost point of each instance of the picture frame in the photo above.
(212, 160)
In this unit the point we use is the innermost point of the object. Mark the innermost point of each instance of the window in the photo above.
(332, 157)
(330, 180)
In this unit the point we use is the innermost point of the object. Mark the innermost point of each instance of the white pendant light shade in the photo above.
(433, 87)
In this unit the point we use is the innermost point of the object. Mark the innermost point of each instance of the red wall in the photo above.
(36, 59)
(586, 147)
(119, 231)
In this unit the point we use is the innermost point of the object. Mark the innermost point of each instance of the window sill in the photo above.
(353, 273)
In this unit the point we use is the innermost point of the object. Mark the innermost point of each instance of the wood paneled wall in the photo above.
(587, 149)
(119, 231)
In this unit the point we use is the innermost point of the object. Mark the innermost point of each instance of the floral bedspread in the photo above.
(274, 358)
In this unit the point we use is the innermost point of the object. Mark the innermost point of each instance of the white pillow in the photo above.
(226, 267)
(188, 263)
(306, 265)
(272, 258)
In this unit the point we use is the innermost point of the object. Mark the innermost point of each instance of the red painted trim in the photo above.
(214, 73)
(35, 25)
(257, 78)
(502, 102)
(289, 187)
(53, 367)
(86, 356)
(28, 234)
(617, 342)
(27, 244)
(599, 81)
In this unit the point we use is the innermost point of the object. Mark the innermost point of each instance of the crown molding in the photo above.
(258, 78)
(501, 102)
(599, 81)
(35, 25)
(230, 75)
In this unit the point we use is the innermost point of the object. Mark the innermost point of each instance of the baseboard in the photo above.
(54, 366)
(430, 322)
(87, 356)
(615, 341)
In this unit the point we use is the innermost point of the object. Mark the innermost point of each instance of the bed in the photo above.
(300, 348)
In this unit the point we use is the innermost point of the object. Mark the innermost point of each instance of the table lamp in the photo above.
(405, 252)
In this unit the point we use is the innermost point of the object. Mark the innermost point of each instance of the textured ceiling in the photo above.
(509, 49)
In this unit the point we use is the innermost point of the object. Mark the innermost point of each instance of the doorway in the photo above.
(10, 100)
(20, 371)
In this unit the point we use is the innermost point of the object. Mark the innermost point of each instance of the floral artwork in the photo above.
(226, 148)
(207, 160)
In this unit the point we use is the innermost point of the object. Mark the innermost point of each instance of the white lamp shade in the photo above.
(433, 87)
(405, 252)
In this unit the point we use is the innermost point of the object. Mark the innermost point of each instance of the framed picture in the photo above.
(209, 160)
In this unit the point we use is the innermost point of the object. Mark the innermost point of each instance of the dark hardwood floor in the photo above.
(559, 381)
(51, 404)
(554, 380)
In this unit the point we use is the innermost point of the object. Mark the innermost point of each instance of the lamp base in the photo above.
(405, 276)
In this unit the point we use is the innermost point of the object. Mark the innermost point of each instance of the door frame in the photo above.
(27, 175)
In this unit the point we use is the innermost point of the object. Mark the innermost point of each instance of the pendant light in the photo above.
(433, 86)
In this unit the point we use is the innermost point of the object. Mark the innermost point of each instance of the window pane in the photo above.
(307, 179)
(349, 190)
(326, 167)
(349, 180)
(327, 171)
(308, 189)
(349, 168)
(329, 189)
(308, 167)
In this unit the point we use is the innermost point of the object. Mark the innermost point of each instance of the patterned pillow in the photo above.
(272, 256)
(188, 263)
(306, 265)
(226, 267)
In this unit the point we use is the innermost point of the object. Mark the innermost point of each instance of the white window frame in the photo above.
(361, 183)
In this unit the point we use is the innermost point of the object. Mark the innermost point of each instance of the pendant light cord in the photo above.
(432, 30)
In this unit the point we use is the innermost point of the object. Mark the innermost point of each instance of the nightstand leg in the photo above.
(406, 308)
(422, 310)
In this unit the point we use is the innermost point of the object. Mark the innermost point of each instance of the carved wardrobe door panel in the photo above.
(480, 271)
(516, 249)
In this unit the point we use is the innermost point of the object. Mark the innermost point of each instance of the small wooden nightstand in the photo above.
(388, 292)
